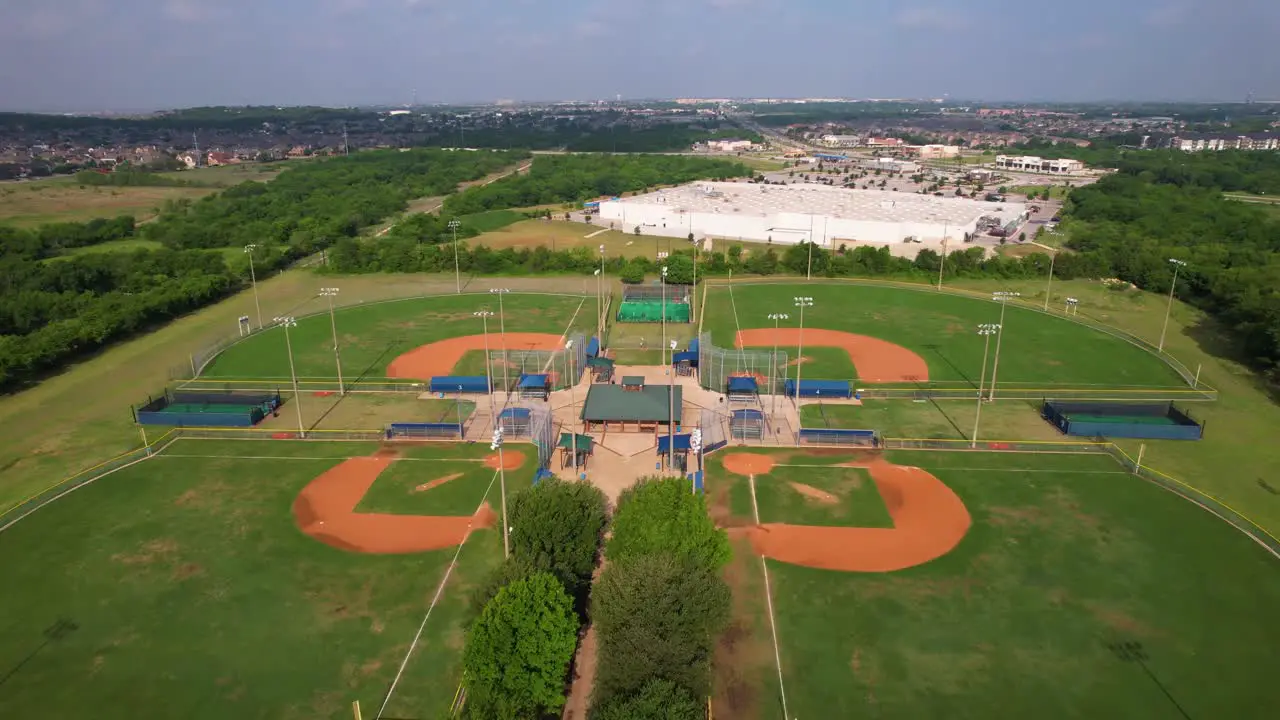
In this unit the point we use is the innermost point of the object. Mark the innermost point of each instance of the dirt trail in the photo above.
(439, 358)
(929, 521)
(325, 510)
(584, 678)
(876, 360)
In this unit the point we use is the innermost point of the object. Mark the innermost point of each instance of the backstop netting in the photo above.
(715, 430)
(645, 303)
(542, 433)
(716, 365)
(563, 367)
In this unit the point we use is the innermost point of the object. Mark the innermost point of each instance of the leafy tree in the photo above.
(662, 516)
(679, 269)
(632, 273)
(513, 569)
(637, 230)
(657, 618)
(1022, 236)
(518, 652)
(557, 528)
(657, 700)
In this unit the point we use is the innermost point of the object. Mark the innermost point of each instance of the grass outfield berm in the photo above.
(1079, 590)
(185, 579)
(1037, 350)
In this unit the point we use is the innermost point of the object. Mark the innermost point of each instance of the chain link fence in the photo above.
(716, 365)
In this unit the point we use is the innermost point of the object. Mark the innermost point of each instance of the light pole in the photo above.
(502, 332)
(454, 224)
(496, 444)
(1001, 296)
(1049, 286)
(802, 303)
(573, 429)
(286, 323)
(1177, 265)
(600, 296)
(1073, 306)
(986, 330)
(330, 293)
(773, 362)
(942, 261)
(599, 310)
(253, 278)
(671, 415)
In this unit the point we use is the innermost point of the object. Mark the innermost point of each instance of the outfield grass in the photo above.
(1038, 350)
(371, 336)
(399, 490)
(187, 582)
(1068, 556)
(856, 503)
(558, 235)
(491, 220)
(1056, 191)
(941, 419)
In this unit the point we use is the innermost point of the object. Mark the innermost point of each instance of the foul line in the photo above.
(314, 458)
(768, 598)
(439, 591)
(977, 469)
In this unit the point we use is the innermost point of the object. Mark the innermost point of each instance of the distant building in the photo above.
(222, 158)
(936, 152)
(1034, 164)
(885, 142)
(729, 145)
(1197, 143)
(889, 164)
(838, 141)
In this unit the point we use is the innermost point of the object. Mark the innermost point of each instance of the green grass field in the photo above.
(1068, 558)
(853, 499)
(1038, 350)
(373, 335)
(558, 235)
(942, 419)
(184, 579)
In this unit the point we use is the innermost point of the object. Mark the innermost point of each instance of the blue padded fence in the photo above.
(459, 384)
(819, 388)
(838, 436)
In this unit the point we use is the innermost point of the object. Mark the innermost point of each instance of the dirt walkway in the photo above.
(584, 678)
(325, 510)
(439, 358)
(876, 360)
(929, 520)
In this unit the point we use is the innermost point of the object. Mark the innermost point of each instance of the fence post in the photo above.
(192, 358)
(1137, 469)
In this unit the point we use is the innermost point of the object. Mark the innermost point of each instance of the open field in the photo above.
(41, 202)
(943, 419)
(1038, 350)
(1057, 191)
(560, 235)
(223, 176)
(1071, 570)
(373, 335)
(185, 579)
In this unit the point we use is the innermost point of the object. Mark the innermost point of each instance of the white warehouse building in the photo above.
(791, 214)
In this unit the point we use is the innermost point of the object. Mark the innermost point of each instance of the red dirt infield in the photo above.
(325, 510)
(439, 358)
(877, 361)
(929, 520)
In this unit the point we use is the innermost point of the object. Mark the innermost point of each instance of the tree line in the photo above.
(574, 178)
(657, 608)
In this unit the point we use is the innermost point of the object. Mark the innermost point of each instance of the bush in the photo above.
(632, 273)
(661, 516)
(658, 700)
(557, 528)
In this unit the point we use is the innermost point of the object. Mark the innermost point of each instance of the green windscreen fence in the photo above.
(651, 311)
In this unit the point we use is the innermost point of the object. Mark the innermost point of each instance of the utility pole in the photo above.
(942, 261)
(454, 224)
(1177, 265)
(502, 335)
(286, 323)
(573, 428)
(346, 147)
(1049, 286)
(253, 277)
(484, 316)
(773, 363)
(986, 330)
(1001, 296)
(330, 293)
(802, 303)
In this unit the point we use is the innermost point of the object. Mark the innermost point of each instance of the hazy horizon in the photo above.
(92, 56)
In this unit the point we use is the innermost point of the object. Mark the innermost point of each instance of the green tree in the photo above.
(518, 652)
(680, 269)
(632, 273)
(662, 516)
(637, 230)
(1022, 236)
(657, 700)
(557, 528)
(657, 618)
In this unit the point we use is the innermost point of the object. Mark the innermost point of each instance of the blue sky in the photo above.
(64, 55)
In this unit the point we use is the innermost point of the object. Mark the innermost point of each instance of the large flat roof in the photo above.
(748, 199)
(649, 404)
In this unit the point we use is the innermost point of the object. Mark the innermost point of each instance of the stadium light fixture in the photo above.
(802, 303)
(453, 225)
(253, 278)
(1177, 265)
(331, 293)
(1003, 297)
(287, 322)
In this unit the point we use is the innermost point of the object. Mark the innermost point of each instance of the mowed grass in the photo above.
(1038, 350)
(941, 419)
(371, 336)
(402, 488)
(845, 497)
(1068, 557)
(558, 235)
(184, 579)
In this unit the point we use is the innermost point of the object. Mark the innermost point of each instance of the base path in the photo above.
(325, 510)
(929, 520)
(877, 361)
(439, 358)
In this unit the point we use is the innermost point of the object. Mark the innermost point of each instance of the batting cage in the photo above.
(562, 367)
(646, 303)
(193, 408)
(747, 425)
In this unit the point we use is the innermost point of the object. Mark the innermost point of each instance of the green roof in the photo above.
(650, 404)
(585, 442)
(632, 379)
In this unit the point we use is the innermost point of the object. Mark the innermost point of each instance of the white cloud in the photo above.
(926, 17)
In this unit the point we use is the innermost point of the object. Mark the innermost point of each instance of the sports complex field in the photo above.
(284, 578)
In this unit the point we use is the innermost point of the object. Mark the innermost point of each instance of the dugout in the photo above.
(742, 389)
(534, 386)
(818, 388)
(516, 421)
(424, 431)
(601, 369)
(459, 384)
(644, 408)
(1139, 420)
(207, 409)
(685, 362)
(746, 425)
(593, 347)
(838, 436)
(683, 443)
(584, 445)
